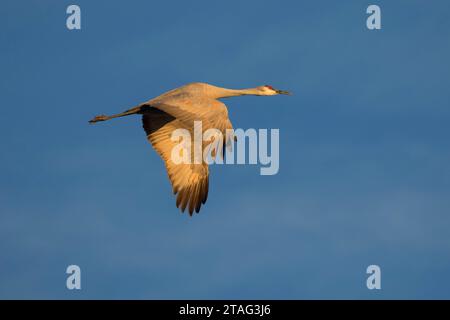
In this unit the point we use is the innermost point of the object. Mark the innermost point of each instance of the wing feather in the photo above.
(189, 181)
(212, 113)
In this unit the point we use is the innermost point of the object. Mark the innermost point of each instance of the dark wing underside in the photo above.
(189, 181)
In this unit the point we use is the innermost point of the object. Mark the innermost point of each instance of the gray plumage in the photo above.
(178, 109)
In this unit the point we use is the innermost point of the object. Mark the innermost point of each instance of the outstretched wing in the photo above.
(211, 112)
(189, 181)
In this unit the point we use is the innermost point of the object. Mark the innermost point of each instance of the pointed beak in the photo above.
(283, 92)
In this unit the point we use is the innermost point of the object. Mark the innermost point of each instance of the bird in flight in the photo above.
(178, 109)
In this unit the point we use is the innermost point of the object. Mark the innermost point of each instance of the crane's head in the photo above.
(270, 91)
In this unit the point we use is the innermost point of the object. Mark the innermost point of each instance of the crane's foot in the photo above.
(99, 118)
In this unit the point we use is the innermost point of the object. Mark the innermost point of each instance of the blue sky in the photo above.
(364, 151)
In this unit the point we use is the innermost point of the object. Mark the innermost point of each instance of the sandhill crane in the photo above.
(179, 108)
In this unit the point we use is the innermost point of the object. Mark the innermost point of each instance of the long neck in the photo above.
(218, 93)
